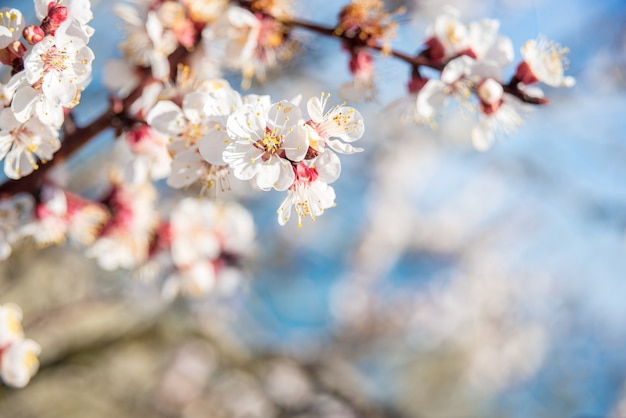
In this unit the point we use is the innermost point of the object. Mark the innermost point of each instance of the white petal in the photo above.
(342, 147)
(193, 106)
(154, 27)
(284, 211)
(328, 166)
(41, 8)
(246, 123)
(167, 118)
(296, 144)
(8, 121)
(160, 66)
(244, 159)
(186, 169)
(283, 116)
(345, 123)
(315, 109)
(6, 142)
(286, 177)
(58, 88)
(268, 173)
(212, 146)
(431, 98)
(482, 135)
(456, 69)
(18, 163)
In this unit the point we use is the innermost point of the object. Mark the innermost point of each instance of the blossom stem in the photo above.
(415, 61)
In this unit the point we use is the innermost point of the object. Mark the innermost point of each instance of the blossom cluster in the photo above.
(215, 132)
(254, 36)
(472, 58)
(18, 355)
(192, 252)
(48, 76)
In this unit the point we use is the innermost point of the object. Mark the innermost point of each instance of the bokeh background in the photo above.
(447, 283)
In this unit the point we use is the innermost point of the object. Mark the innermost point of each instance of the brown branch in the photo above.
(415, 61)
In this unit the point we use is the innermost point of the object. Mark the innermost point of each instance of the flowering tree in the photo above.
(177, 120)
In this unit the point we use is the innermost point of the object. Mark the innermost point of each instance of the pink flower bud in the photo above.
(33, 34)
(435, 50)
(362, 64)
(525, 74)
(57, 14)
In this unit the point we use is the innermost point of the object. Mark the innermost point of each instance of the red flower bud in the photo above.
(33, 34)
(524, 74)
(57, 14)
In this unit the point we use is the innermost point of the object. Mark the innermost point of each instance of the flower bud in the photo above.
(416, 83)
(57, 14)
(490, 91)
(361, 64)
(525, 74)
(33, 34)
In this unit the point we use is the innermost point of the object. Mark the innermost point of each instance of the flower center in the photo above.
(22, 135)
(193, 132)
(54, 59)
(272, 141)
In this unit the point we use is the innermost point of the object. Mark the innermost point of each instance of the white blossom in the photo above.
(503, 121)
(194, 280)
(310, 193)
(11, 26)
(342, 122)
(25, 145)
(147, 43)
(264, 141)
(193, 229)
(448, 34)
(61, 66)
(200, 232)
(546, 62)
(251, 43)
(61, 215)
(125, 239)
(200, 121)
(454, 82)
(20, 363)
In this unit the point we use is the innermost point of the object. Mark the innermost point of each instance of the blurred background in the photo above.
(446, 283)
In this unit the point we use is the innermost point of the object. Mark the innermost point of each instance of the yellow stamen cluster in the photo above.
(368, 21)
(278, 8)
(271, 142)
(193, 132)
